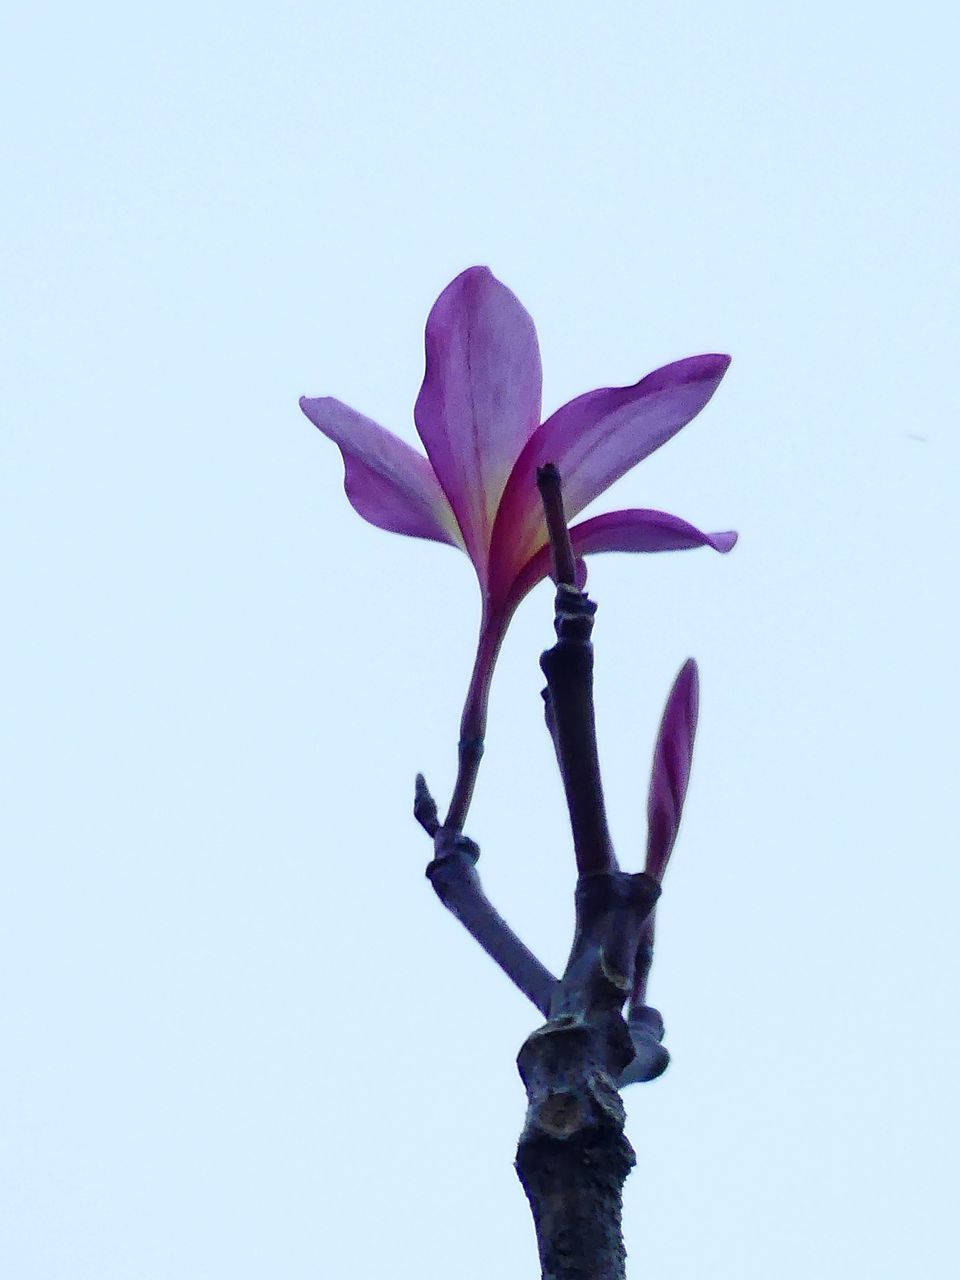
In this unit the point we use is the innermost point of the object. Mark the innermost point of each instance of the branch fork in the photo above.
(453, 874)
(573, 1156)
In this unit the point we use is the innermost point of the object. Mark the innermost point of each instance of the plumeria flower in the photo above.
(478, 416)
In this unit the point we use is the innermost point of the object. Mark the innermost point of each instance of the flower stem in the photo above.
(473, 723)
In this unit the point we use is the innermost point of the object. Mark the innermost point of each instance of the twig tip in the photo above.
(425, 807)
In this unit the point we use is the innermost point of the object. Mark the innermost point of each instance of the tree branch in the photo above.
(455, 880)
(551, 495)
(573, 1156)
(454, 877)
(568, 667)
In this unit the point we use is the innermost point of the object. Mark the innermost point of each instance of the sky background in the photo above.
(240, 1037)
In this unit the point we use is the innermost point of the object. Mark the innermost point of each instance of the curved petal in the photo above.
(638, 530)
(480, 399)
(596, 439)
(387, 482)
(633, 530)
(670, 774)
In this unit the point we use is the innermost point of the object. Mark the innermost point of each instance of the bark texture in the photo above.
(573, 1157)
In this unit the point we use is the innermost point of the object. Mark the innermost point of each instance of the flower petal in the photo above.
(480, 399)
(633, 530)
(638, 530)
(387, 482)
(596, 439)
(671, 768)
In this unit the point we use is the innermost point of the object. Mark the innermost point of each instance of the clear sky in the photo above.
(240, 1036)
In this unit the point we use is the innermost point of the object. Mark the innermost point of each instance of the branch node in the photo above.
(453, 874)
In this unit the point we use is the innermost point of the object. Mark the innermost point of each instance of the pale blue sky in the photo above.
(240, 1036)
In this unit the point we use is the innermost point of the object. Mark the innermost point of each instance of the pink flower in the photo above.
(478, 415)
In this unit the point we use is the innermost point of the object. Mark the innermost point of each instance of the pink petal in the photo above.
(480, 399)
(387, 482)
(596, 439)
(633, 530)
(638, 530)
(671, 768)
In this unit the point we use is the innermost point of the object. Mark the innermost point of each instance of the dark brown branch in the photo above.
(564, 564)
(456, 882)
(454, 877)
(611, 911)
(549, 721)
(568, 667)
(643, 961)
(573, 1155)
(650, 1058)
